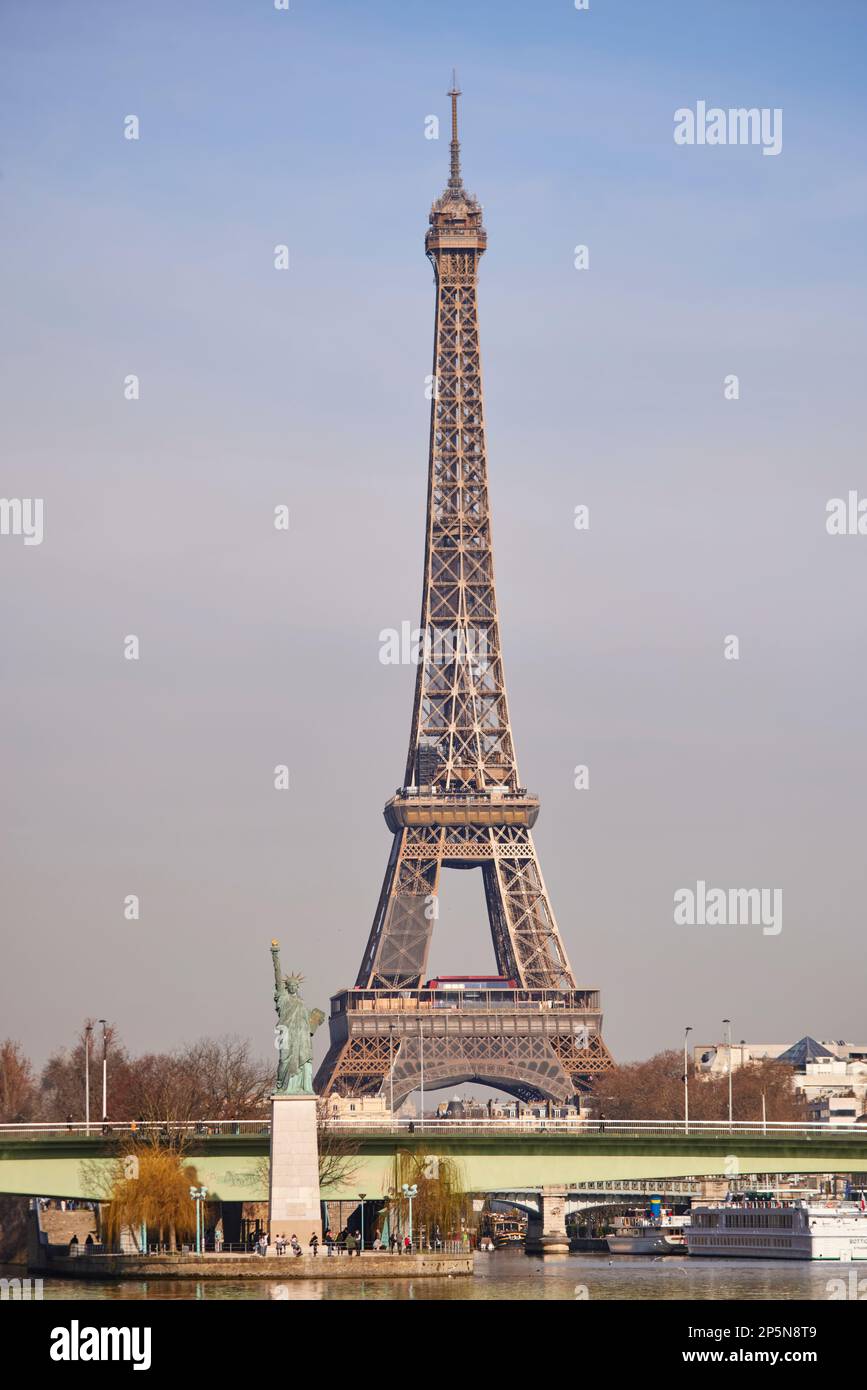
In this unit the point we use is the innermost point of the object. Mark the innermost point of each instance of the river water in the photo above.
(510, 1274)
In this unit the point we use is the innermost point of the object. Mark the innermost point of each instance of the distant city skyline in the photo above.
(305, 388)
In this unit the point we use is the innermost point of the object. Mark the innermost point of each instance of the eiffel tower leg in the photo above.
(526, 939)
(399, 942)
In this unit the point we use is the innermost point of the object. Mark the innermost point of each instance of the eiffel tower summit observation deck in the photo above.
(528, 1029)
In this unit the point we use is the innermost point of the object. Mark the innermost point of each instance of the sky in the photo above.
(305, 387)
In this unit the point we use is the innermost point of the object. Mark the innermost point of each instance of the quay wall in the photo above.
(279, 1268)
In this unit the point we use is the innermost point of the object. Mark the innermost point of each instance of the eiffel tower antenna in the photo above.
(527, 1028)
(455, 181)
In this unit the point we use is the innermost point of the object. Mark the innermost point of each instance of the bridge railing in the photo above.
(372, 1125)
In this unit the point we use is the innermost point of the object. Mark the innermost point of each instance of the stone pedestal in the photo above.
(546, 1233)
(293, 1199)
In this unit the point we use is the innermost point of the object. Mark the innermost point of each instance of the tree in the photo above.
(214, 1078)
(18, 1095)
(62, 1079)
(653, 1090)
(148, 1186)
(440, 1202)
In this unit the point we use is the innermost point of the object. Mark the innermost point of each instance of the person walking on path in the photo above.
(329, 1241)
(314, 1243)
(350, 1244)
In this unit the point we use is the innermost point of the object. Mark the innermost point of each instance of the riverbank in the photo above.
(370, 1265)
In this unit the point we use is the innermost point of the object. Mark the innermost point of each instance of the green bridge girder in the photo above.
(231, 1168)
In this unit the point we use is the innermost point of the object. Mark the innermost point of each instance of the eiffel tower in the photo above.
(528, 1030)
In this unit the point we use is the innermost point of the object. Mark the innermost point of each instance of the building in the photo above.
(832, 1076)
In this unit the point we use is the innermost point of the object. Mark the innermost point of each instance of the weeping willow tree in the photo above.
(148, 1188)
(440, 1204)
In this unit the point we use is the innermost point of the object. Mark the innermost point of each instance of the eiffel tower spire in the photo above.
(455, 171)
(462, 804)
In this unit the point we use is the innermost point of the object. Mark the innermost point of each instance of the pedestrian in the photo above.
(263, 1245)
(393, 1243)
(294, 1245)
(314, 1243)
(377, 1240)
(329, 1241)
(280, 1244)
(341, 1241)
(218, 1240)
(407, 1245)
(73, 1245)
(88, 1244)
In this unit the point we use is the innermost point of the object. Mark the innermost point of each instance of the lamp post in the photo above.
(686, 1033)
(198, 1195)
(104, 1071)
(409, 1193)
(728, 1023)
(362, 1195)
(87, 1032)
(421, 1091)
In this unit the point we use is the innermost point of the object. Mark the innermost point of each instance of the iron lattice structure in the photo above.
(462, 804)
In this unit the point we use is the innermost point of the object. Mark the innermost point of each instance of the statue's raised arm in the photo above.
(275, 956)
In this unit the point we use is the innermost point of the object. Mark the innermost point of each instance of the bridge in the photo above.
(495, 1156)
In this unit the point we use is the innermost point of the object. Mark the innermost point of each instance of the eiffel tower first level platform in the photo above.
(527, 1029)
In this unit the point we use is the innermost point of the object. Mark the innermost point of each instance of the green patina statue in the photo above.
(294, 1032)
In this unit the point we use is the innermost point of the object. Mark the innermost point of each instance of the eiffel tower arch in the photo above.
(530, 1030)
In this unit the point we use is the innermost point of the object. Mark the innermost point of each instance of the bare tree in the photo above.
(653, 1090)
(18, 1095)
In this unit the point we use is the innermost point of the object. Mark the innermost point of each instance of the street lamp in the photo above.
(362, 1195)
(421, 1091)
(87, 1032)
(198, 1195)
(728, 1023)
(409, 1193)
(686, 1033)
(104, 1071)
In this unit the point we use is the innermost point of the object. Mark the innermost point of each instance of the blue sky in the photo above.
(156, 257)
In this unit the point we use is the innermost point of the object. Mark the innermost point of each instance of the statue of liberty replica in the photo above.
(294, 1030)
(293, 1180)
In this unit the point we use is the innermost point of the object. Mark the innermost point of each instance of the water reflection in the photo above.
(506, 1274)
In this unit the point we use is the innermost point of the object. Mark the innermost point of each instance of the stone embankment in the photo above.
(274, 1267)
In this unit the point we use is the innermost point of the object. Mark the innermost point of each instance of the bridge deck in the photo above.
(66, 1164)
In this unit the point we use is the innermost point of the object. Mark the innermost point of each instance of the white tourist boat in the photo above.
(659, 1236)
(775, 1230)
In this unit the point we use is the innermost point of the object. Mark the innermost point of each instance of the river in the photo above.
(510, 1274)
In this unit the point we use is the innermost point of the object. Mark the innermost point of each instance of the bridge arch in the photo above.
(526, 1082)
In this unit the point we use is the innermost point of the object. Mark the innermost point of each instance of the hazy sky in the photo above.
(306, 387)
